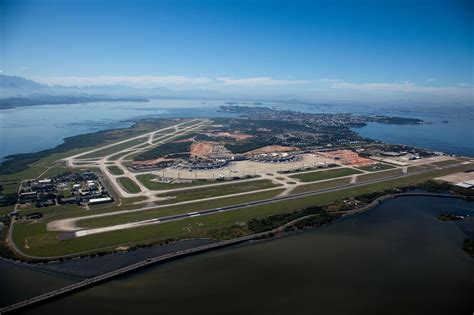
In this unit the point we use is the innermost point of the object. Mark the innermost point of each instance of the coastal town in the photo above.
(257, 159)
(236, 157)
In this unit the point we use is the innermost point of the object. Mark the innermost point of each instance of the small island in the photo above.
(12, 102)
(450, 217)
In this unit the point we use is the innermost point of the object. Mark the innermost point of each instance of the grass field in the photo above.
(371, 176)
(6, 210)
(117, 156)
(218, 190)
(417, 168)
(303, 169)
(113, 149)
(445, 163)
(177, 209)
(148, 181)
(115, 170)
(322, 175)
(321, 185)
(42, 243)
(52, 210)
(129, 185)
(375, 167)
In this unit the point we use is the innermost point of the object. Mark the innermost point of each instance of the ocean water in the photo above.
(397, 258)
(456, 136)
(34, 128)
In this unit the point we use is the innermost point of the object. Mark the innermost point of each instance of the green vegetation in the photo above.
(9, 193)
(164, 150)
(378, 175)
(291, 204)
(417, 168)
(218, 190)
(43, 243)
(129, 185)
(19, 162)
(305, 169)
(445, 162)
(113, 149)
(322, 175)
(9, 184)
(117, 156)
(436, 186)
(148, 180)
(276, 220)
(321, 185)
(300, 219)
(248, 145)
(177, 209)
(11, 102)
(115, 170)
(4, 246)
(375, 167)
(52, 210)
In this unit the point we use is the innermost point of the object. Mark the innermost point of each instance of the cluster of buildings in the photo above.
(151, 165)
(469, 184)
(203, 164)
(401, 151)
(83, 188)
(275, 157)
(308, 167)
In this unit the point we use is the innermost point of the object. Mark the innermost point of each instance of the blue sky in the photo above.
(326, 49)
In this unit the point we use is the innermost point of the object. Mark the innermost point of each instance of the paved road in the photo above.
(104, 162)
(176, 217)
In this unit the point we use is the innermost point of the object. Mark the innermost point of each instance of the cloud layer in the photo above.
(318, 89)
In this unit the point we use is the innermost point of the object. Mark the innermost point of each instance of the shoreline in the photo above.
(284, 230)
(32, 261)
(270, 235)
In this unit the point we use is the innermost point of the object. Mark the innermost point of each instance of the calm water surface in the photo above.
(34, 128)
(395, 259)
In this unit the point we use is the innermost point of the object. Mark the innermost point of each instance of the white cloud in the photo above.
(373, 86)
(260, 82)
(170, 81)
(403, 87)
(264, 85)
(134, 81)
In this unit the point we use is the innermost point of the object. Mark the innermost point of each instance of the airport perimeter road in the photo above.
(150, 139)
(84, 232)
(68, 159)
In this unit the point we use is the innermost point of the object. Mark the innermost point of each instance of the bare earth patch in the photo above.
(236, 136)
(201, 148)
(348, 157)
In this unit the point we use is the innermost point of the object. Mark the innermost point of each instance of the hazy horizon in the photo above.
(364, 52)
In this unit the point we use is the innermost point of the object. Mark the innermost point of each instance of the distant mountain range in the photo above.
(11, 86)
(16, 84)
(17, 91)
